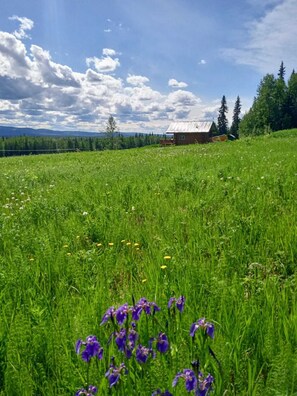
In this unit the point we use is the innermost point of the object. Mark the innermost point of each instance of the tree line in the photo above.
(274, 108)
(26, 145)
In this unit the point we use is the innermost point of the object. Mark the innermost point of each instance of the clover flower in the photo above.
(114, 373)
(92, 390)
(109, 314)
(179, 302)
(92, 348)
(142, 353)
(203, 324)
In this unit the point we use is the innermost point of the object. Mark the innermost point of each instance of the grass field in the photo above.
(82, 232)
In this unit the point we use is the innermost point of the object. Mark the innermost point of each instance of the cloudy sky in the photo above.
(69, 64)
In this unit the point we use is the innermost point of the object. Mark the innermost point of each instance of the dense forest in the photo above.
(24, 145)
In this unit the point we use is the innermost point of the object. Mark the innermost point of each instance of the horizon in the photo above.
(147, 63)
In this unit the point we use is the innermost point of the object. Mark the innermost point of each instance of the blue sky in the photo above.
(69, 64)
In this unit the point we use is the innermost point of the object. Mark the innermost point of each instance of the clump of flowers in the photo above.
(127, 340)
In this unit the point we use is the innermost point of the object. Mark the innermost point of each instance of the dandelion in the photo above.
(202, 323)
(163, 267)
(114, 373)
(92, 348)
(68, 254)
(136, 244)
(92, 390)
(65, 246)
(98, 244)
(128, 244)
(167, 257)
(144, 280)
(110, 244)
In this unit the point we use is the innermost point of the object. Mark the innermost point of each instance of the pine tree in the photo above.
(222, 118)
(236, 120)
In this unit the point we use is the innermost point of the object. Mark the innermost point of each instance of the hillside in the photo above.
(83, 232)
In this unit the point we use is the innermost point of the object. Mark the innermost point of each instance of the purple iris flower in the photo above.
(201, 323)
(146, 306)
(92, 348)
(162, 343)
(179, 302)
(142, 353)
(159, 392)
(121, 338)
(114, 373)
(189, 377)
(109, 314)
(122, 313)
(132, 336)
(205, 384)
(92, 390)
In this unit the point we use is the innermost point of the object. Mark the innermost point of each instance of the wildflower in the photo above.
(92, 390)
(98, 244)
(167, 257)
(136, 244)
(144, 305)
(132, 336)
(128, 244)
(163, 267)
(159, 392)
(85, 213)
(179, 302)
(142, 353)
(205, 384)
(122, 313)
(110, 244)
(92, 348)
(109, 314)
(144, 280)
(121, 337)
(162, 343)
(189, 377)
(201, 323)
(114, 373)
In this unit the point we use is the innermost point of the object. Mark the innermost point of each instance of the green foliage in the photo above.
(236, 118)
(274, 107)
(222, 117)
(24, 145)
(80, 232)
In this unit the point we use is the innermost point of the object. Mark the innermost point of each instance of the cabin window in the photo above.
(182, 137)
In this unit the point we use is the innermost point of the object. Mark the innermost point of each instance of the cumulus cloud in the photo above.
(37, 91)
(270, 39)
(175, 84)
(25, 24)
(202, 62)
(137, 80)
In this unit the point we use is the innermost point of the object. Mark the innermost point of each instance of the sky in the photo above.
(70, 64)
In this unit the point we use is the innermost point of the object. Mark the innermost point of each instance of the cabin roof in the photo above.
(190, 127)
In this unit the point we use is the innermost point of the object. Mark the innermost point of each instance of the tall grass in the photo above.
(81, 232)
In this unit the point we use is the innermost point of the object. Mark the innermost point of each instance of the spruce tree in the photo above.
(222, 118)
(236, 120)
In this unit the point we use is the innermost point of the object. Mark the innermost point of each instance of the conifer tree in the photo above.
(111, 129)
(236, 120)
(222, 118)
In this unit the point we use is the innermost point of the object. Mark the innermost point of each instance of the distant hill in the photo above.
(6, 131)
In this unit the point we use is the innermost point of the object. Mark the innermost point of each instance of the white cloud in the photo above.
(271, 39)
(107, 30)
(175, 84)
(202, 62)
(104, 65)
(137, 80)
(108, 52)
(25, 24)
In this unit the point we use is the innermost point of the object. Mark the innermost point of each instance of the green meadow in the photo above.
(81, 232)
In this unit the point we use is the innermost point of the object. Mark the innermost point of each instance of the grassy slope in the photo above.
(225, 213)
